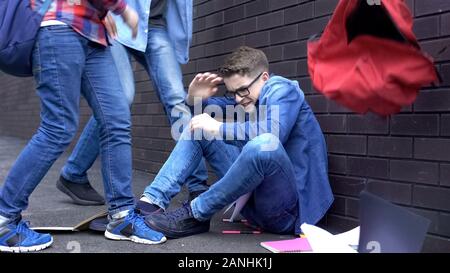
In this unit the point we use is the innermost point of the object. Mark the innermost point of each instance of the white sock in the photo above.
(145, 199)
(120, 214)
(4, 221)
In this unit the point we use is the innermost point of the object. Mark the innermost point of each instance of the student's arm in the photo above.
(288, 100)
(201, 91)
(116, 6)
(119, 7)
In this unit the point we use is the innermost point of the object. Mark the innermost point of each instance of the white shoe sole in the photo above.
(20, 249)
(133, 238)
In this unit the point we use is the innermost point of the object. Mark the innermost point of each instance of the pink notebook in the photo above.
(293, 245)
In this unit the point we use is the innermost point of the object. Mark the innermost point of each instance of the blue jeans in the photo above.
(160, 62)
(64, 63)
(273, 204)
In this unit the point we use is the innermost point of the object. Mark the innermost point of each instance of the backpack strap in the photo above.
(45, 6)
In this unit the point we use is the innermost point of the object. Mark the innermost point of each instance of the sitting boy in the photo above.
(283, 165)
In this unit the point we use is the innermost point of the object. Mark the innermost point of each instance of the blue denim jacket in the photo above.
(302, 138)
(179, 26)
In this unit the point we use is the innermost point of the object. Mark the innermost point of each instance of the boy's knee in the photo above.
(264, 143)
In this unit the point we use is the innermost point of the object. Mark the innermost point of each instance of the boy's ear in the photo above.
(265, 76)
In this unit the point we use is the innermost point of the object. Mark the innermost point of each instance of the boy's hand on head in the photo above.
(110, 25)
(203, 86)
(131, 18)
(206, 123)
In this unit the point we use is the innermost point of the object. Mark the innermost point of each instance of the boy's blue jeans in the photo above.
(241, 169)
(160, 62)
(64, 63)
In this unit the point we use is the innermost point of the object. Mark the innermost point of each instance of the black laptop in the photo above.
(388, 228)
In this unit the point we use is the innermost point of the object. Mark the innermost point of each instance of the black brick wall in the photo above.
(405, 158)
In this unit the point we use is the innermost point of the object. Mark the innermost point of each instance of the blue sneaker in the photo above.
(133, 228)
(18, 237)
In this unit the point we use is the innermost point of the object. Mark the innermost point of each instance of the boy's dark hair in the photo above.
(244, 61)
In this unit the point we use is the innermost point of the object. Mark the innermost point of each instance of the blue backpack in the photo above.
(19, 25)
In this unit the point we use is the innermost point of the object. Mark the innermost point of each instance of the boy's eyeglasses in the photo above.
(243, 91)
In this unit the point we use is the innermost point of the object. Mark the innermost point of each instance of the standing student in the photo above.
(161, 45)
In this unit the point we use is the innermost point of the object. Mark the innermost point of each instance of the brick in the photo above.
(433, 101)
(436, 244)
(432, 149)
(352, 207)
(298, 13)
(274, 53)
(295, 50)
(271, 20)
(302, 67)
(284, 34)
(347, 185)
(445, 125)
(278, 4)
(395, 192)
(426, 27)
(445, 74)
(355, 145)
(367, 167)
(414, 171)
(341, 223)
(306, 86)
(245, 26)
(334, 107)
(434, 48)
(332, 123)
(257, 39)
(234, 14)
(214, 20)
(285, 69)
(310, 28)
(214, 48)
(390, 147)
(232, 43)
(417, 125)
(256, 7)
(323, 7)
(444, 224)
(431, 6)
(318, 103)
(444, 177)
(337, 164)
(367, 124)
(338, 206)
(445, 22)
(431, 197)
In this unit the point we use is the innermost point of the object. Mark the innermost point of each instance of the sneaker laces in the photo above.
(23, 229)
(136, 221)
(25, 232)
(180, 213)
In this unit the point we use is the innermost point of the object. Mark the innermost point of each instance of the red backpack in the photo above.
(368, 58)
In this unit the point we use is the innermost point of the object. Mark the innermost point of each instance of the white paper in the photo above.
(350, 237)
(322, 241)
(238, 205)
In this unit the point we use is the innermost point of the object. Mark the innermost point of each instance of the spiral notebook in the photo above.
(285, 246)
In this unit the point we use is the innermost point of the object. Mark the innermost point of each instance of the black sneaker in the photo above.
(177, 223)
(81, 194)
(143, 208)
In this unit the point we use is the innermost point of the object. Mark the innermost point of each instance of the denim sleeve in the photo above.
(221, 102)
(283, 105)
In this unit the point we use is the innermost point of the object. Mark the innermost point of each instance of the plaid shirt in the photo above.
(84, 16)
